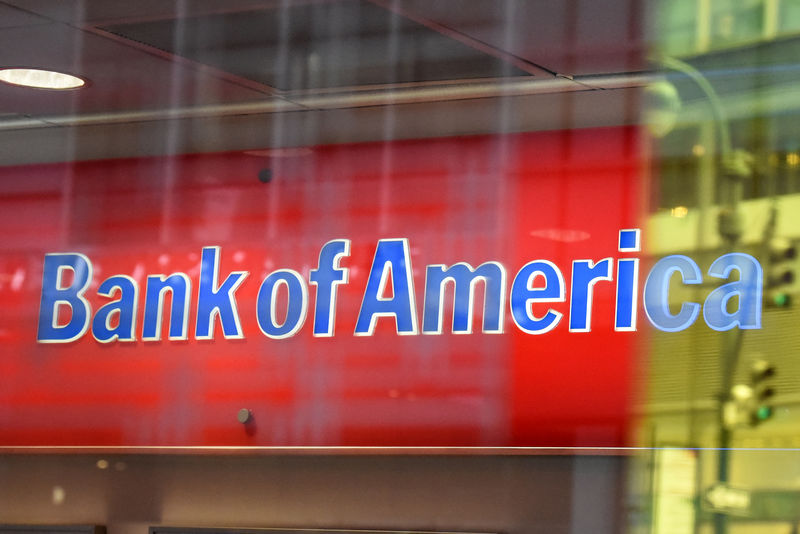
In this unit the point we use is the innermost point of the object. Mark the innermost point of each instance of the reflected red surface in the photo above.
(558, 196)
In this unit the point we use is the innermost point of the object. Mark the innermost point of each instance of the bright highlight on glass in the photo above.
(41, 79)
(679, 212)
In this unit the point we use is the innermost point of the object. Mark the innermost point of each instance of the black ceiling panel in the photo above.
(319, 46)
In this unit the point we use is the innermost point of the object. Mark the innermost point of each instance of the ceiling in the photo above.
(208, 75)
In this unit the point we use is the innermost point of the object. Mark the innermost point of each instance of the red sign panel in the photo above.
(507, 200)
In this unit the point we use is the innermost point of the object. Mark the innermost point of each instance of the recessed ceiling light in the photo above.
(561, 234)
(41, 79)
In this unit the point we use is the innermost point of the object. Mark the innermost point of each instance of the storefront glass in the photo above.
(451, 265)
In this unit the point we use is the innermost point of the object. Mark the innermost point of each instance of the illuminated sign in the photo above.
(389, 293)
(191, 298)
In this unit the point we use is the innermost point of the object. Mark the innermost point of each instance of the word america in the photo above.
(389, 293)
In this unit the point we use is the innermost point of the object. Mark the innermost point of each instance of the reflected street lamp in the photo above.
(735, 166)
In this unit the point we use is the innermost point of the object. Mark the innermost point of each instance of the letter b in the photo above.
(54, 296)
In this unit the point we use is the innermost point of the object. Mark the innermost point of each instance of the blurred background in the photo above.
(721, 111)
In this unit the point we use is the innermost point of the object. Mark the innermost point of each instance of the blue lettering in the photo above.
(266, 305)
(627, 282)
(327, 276)
(54, 296)
(747, 289)
(464, 278)
(124, 309)
(213, 301)
(178, 284)
(656, 293)
(523, 294)
(585, 274)
(65, 314)
(391, 259)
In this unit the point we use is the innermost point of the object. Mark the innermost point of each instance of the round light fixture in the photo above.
(40, 79)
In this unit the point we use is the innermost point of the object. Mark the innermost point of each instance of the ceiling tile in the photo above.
(320, 46)
(121, 78)
(11, 17)
(106, 10)
(578, 37)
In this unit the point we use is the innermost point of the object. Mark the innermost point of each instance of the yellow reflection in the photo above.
(59, 495)
(793, 159)
(679, 212)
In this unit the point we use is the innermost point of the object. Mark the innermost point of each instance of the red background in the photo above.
(558, 196)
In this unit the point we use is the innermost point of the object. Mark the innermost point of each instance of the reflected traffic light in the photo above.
(781, 275)
(760, 373)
